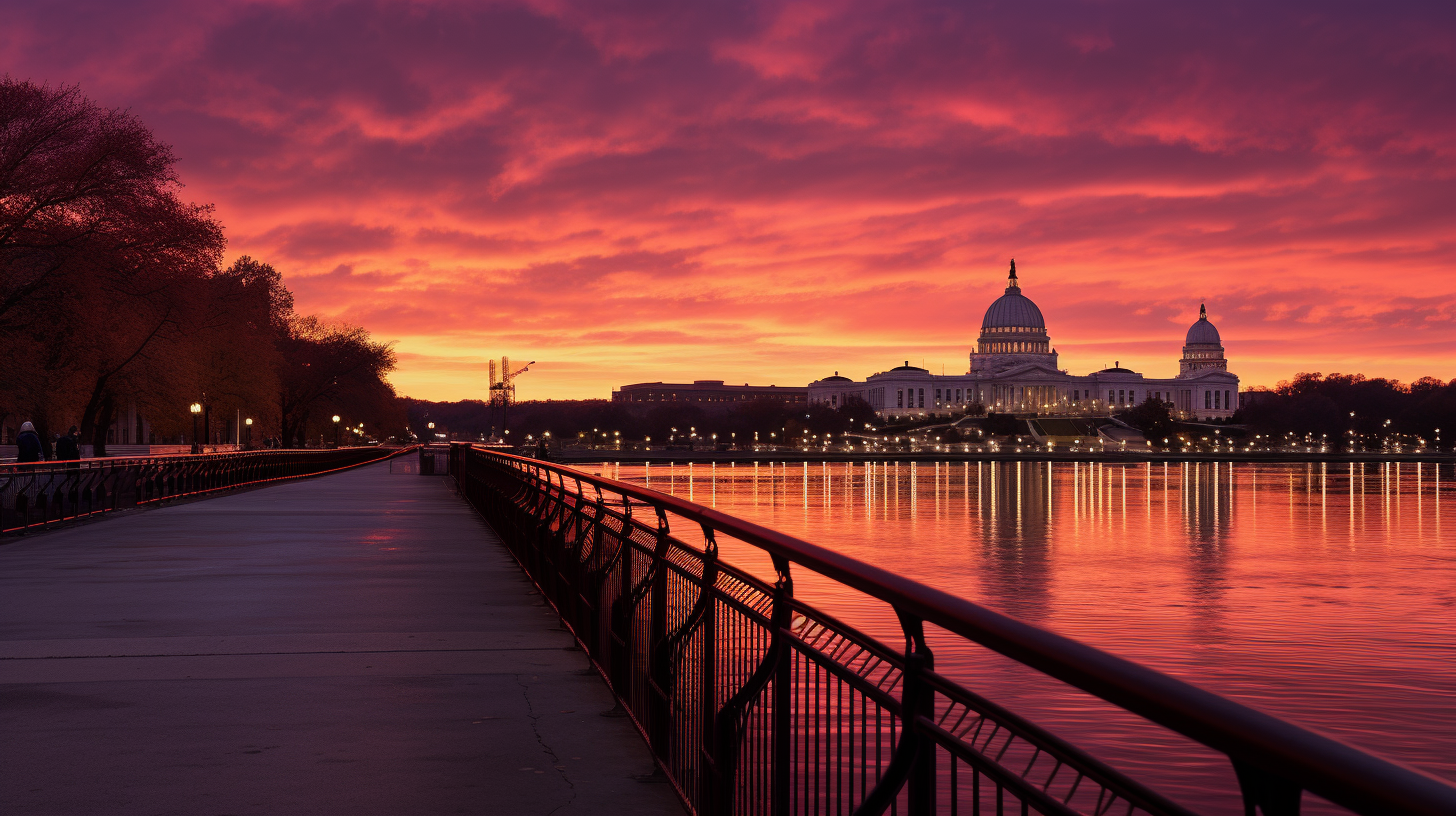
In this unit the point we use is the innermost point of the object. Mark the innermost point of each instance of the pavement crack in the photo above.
(556, 763)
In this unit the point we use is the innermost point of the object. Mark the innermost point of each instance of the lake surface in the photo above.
(1324, 594)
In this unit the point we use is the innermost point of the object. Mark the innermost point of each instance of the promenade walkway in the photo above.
(357, 643)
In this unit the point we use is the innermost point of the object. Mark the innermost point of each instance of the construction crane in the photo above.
(503, 389)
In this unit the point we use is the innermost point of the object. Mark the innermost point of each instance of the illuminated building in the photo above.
(1013, 369)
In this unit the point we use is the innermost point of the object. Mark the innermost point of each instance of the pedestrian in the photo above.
(68, 447)
(28, 445)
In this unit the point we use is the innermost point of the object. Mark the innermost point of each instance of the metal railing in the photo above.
(754, 702)
(43, 493)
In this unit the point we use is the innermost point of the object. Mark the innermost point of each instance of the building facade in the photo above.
(1013, 369)
(709, 391)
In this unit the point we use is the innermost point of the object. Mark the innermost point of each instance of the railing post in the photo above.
(918, 701)
(659, 706)
(782, 618)
(1265, 793)
(622, 613)
(913, 765)
(708, 782)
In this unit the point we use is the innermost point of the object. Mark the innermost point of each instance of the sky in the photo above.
(772, 192)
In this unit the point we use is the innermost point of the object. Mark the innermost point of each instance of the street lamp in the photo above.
(248, 438)
(336, 430)
(196, 409)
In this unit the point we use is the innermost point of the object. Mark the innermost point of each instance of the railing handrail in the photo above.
(38, 494)
(71, 463)
(1315, 762)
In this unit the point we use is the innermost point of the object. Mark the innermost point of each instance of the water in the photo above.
(1324, 594)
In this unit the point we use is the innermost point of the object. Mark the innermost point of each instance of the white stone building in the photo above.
(1013, 369)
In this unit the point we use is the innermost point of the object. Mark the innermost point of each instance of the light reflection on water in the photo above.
(1321, 593)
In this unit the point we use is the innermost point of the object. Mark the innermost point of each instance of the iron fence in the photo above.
(754, 702)
(43, 493)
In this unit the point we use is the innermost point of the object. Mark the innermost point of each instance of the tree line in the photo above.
(113, 293)
(1339, 406)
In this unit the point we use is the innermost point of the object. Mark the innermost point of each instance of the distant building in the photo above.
(1013, 369)
(709, 391)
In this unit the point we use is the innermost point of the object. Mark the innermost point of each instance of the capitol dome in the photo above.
(1203, 350)
(1202, 332)
(1013, 309)
(1013, 333)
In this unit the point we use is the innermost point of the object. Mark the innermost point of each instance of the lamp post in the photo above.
(336, 430)
(248, 435)
(196, 409)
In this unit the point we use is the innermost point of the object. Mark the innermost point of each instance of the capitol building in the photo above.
(1013, 369)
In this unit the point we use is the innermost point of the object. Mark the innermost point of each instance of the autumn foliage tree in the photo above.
(112, 291)
(329, 368)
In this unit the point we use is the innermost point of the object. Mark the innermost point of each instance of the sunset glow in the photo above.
(768, 193)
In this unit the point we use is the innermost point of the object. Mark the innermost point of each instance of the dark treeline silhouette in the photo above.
(569, 420)
(112, 294)
(1154, 419)
(1323, 405)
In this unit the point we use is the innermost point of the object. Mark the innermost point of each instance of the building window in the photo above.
(1217, 400)
(958, 396)
(899, 398)
(922, 398)
(1228, 406)
(937, 397)
(1207, 399)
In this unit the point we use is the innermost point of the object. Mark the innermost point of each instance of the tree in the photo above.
(111, 292)
(325, 366)
(70, 172)
(856, 413)
(1152, 417)
(95, 251)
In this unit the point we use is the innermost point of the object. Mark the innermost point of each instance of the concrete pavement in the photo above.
(358, 643)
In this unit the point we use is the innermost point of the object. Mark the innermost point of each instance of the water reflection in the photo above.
(1014, 505)
(1207, 496)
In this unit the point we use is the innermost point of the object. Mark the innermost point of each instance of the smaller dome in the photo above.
(1117, 370)
(836, 378)
(907, 367)
(1203, 332)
